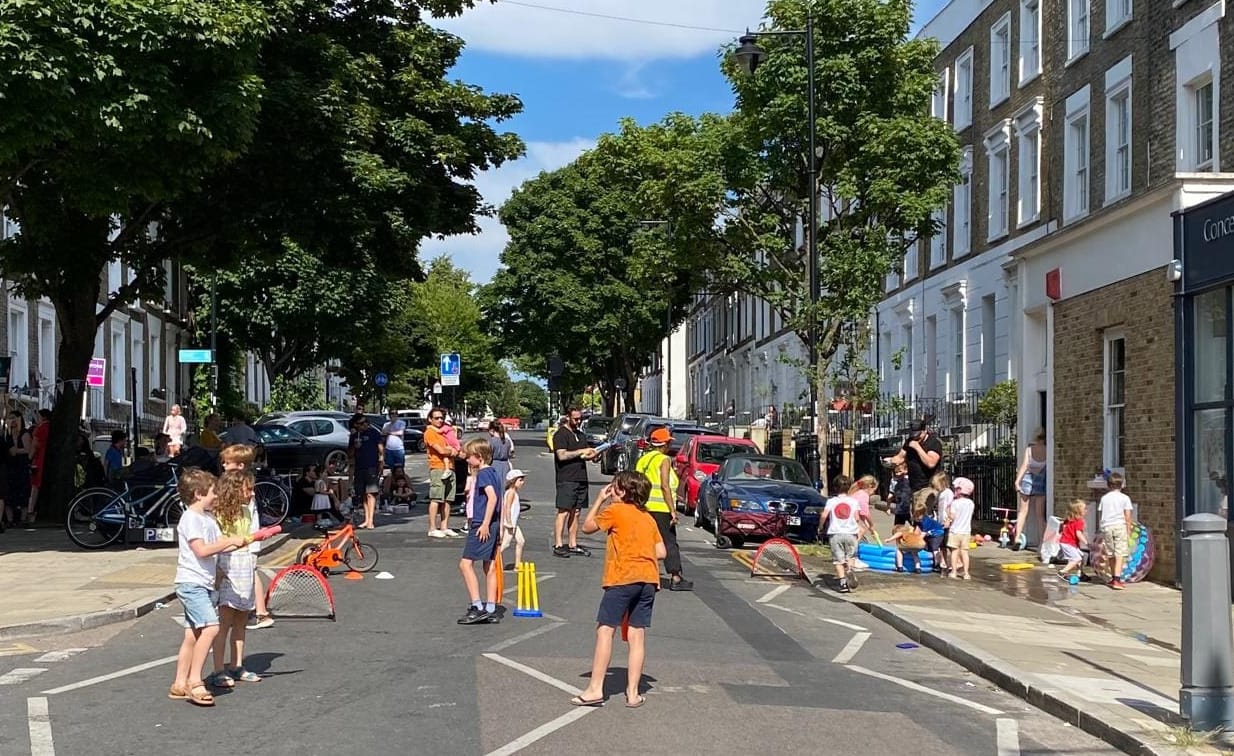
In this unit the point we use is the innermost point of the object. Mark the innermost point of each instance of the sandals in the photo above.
(246, 676)
(580, 701)
(222, 680)
(199, 694)
(636, 702)
(176, 693)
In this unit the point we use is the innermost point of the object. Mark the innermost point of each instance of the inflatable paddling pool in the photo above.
(883, 558)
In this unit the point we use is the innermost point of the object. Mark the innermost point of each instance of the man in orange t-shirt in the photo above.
(441, 481)
(631, 579)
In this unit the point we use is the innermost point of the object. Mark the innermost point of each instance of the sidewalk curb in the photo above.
(74, 623)
(1015, 681)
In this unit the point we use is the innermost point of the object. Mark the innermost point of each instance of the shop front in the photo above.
(1204, 272)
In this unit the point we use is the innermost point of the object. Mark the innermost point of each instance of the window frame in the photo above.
(965, 186)
(1116, 93)
(963, 62)
(1028, 174)
(1079, 29)
(938, 242)
(1118, 13)
(1113, 446)
(1200, 162)
(1000, 62)
(998, 193)
(1077, 177)
(1030, 10)
(958, 367)
(19, 348)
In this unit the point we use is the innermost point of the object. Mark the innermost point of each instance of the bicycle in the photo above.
(338, 547)
(98, 517)
(273, 498)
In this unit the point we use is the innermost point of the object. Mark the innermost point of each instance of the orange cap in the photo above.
(660, 436)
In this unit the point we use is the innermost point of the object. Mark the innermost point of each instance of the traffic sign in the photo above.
(96, 374)
(451, 368)
(196, 356)
(437, 388)
(381, 380)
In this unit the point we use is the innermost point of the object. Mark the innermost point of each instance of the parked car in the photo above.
(619, 434)
(271, 417)
(759, 496)
(701, 457)
(597, 428)
(287, 451)
(640, 437)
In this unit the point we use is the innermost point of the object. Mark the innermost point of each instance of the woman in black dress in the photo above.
(15, 448)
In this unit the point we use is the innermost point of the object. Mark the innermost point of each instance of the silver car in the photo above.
(325, 428)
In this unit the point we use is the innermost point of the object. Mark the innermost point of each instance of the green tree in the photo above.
(306, 392)
(533, 398)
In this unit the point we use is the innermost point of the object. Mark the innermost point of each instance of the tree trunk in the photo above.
(820, 427)
(75, 314)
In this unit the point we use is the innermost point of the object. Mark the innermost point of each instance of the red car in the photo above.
(700, 457)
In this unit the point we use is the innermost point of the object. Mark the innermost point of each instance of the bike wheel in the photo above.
(359, 557)
(172, 511)
(273, 502)
(302, 555)
(95, 518)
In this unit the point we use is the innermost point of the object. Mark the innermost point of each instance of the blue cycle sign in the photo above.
(381, 380)
(451, 368)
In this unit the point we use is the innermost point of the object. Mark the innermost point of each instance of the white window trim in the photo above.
(1003, 93)
(1118, 85)
(1107, 431)
(154, 366)
(962, 117)
(1028, 126)
(938, 242)
(1077, 107)
(1029, 73)
(119, 388)
(47, 312)
(961, 244)
(1112, 22)
(1078, 44)
(1193, 90)
(958, 383)
(998, 139)
(20, 349)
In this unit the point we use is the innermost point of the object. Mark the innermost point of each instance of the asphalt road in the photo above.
(739, 665)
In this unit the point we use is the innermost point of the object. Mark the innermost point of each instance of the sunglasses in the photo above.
(437, 417)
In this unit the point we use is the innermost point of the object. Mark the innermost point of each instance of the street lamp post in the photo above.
(750, 55)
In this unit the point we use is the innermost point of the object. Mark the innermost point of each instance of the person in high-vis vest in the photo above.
(658, 467)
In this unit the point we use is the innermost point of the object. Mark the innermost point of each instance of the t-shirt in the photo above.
(114, 460)
(393, 432)
(862, 497)
(841, 512)
(191, 568)
(918, 474)
(931, 526)
(962, 515)
(1112, 506)
(210, 440)
(943, 504)
(40, 439)
(435, 442)
(572, 470)
(630, 554)
(902, 495)
(486, 477)
(1069, 533)
(367, 443)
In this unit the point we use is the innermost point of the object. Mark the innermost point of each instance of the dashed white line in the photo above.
(828, 620)
(851, 648)
(923, 689)
(1008, 737)
(38, 720)
(58, 656)
(20, 675)
(110, 676)
(543, 731)
(524, 637)
(773, 594)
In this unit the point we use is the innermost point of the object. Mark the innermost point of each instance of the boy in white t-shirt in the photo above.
(200, 543)
(960, 527)
(844, 520)
(1115, 511)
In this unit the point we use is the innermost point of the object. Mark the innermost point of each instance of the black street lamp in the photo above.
(749, 55)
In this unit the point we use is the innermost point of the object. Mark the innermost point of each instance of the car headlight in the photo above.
(700, 476)
(745, 506)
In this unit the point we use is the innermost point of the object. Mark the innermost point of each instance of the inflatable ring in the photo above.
(1139, 560)
(883, 558)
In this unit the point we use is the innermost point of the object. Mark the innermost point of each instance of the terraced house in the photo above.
(1086, 125)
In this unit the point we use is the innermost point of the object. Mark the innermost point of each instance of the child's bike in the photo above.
(338, 547)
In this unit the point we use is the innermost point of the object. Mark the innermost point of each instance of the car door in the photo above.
(304, 427)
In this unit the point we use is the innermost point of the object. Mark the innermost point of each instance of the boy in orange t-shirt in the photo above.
(631, 579)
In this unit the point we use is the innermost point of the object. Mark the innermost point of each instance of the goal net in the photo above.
(300, 591)
(777, 558)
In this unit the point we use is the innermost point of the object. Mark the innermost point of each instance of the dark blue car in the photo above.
(755, 496)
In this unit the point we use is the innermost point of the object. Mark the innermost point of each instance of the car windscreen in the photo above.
(789, 471)
(597, 424)
(272, 434)
(714, 454)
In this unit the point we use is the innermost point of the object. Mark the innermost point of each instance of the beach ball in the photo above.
(1138, 563)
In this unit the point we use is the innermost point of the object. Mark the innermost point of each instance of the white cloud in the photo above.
(480, 253)
(527, 32)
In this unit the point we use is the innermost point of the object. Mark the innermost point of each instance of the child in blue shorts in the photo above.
(483, 534)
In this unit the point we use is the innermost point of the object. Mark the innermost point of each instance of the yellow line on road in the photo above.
(286, 554)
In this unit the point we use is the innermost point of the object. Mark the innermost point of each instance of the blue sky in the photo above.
(578, 75)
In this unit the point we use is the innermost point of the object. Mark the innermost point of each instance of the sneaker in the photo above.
(474, 616)
(436, 534)
(452, 533)
(561, 551)
(262, 622)
(844, 587)
(968, 576)
(680, 585)
(580, 551)
(1117, 585)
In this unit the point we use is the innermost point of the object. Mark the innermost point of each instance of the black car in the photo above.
(617, 456)
(640, 437)
(286, 451)
(596, 428)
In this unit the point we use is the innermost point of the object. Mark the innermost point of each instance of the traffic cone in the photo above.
(353, 575)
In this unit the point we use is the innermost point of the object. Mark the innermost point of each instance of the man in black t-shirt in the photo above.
(923, 454)
(570, 454)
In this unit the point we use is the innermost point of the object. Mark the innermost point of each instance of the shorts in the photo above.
(1032, 484)
(935, 542)
(633, 599)
(367, 480)
(1071, 553)
(395, 458)
(201, 605)
(571, 495)
(843, 547)
(925, 497)
(958, 540)
(1116, 541)
(482, 551)
(511, 535)
(440, 486)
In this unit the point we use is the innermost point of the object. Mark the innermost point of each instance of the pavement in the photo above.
(741, 664)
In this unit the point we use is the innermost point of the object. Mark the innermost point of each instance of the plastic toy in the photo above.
(1006, 534)
(1017, 566)
(1049, 541)
(1139, 561)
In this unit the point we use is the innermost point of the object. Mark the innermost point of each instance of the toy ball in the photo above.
(1137, 565)
(1073, 579)
(986, 538)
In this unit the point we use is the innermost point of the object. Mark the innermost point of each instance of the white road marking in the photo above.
(773, 594)
(58, 656)
(923, 689)
(525, 636)
(851, 648)
(828, 620)
(39, 722)
(20, 675)
(543, 731)
(110, 676)
(534, 673)
(1008, 737)
(539, 579)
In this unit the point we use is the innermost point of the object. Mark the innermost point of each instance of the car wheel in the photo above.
(699, 520)
(420, 447)
(723, 542)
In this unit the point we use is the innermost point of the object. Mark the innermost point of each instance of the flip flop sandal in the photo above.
(222, 680)
(199, 695)
(246, 676)
(177, 693)
(580, 701)
(637, 703)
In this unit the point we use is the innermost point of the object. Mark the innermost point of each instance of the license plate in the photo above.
(746, 526)
(794, 521)
(160, 535)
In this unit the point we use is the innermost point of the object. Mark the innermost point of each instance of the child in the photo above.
(937, 545)
(242, 457)
(844, 520)
(483, 535)
(861, 491)
(901, 494)
(510, 508)
(960, 527)
(631, 579)
(236, 587)
(1115, 510)
(200, 542)
(909, 539)
(1071, 537)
